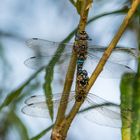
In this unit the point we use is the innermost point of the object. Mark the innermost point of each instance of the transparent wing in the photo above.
(119, 54)
(103, 112)
(111, 69)
(45, 51)
(114, 68)
(42, 98)
(121, 60)
(36, 105)
(47, 48)
(36, 110)
(37, 62)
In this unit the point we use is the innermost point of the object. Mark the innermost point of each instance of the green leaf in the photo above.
(14, 94)
(15, 120)
(135, 128)
(50, 70)
(41, 134)
(126, 88)
(73, 2)
(79, 4)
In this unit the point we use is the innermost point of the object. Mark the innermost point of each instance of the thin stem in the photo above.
(66, 90)
(57, 130)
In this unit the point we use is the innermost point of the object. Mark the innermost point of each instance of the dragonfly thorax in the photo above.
(82, 35)
(81, 95)
(80, 46)
(82, 78)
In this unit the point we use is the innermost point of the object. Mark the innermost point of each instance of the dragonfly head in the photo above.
(82, 35)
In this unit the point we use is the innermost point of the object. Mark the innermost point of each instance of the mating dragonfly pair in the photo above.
(101, 111)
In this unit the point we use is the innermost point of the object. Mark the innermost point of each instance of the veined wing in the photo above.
(103, 112)
(47, 48)
(37, 62)
(42, 98)
(36, 105)
(36, 110)
(46, 51)
(114, 67)
(119, 54)
(111, 70)
(119, 62)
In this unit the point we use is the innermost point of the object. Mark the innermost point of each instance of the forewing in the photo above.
(47, 48)
(48, 53)
(120, 55)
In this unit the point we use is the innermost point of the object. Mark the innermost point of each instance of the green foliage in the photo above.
(41, 134)
(138, 11)
(12, 117)
(15, 120)
(73, 2)
(14, 94)
(50, 70)
(130, 98)
(135, 128)
(9, 120)
(126, 88)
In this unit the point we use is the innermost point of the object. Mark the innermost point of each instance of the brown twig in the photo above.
(58, 127)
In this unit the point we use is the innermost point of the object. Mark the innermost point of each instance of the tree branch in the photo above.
(57, 133)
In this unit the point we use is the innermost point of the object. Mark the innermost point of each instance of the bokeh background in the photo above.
(52, 20)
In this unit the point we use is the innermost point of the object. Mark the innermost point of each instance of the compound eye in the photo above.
(78, 98)
(82, 83)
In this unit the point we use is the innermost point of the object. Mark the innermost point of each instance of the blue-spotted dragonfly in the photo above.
(117, 64)
(98, 110)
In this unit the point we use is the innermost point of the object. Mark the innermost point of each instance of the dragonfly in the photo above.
(45, 51)
(95, 109)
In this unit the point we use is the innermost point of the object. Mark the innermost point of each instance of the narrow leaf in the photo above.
(15, 120)
(41, 134)
(49, 73)
(14, 94)
(73, 2)
(126, 88)
(135, 128)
